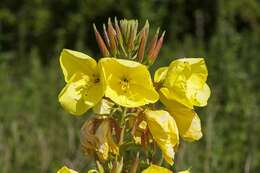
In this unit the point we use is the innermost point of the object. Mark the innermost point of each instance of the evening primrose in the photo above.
(127, 127)
(164, 131)
(181, 86)
(128, 83)
(184, 81)
(85, 87)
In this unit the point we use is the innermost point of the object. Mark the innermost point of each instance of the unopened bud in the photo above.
(112, 37)
(101, 43)
(153, 45)
(157, 48)
(141, 50)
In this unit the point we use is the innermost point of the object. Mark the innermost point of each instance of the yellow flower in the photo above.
(164, 131)
(84, 87)
(187, 120)
(184, 81)
(128, 82)
(181, 86)
(98, 139)
(65, 169)
(156, 169)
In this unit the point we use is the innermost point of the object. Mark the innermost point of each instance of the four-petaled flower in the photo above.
(128, 83)
(84, 87)
(184, 81)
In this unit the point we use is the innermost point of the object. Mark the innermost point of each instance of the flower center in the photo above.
(124, 83)
(95, 78)
(88, 82)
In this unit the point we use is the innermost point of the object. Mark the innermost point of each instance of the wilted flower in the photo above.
(164, 131)
(140, 131)
(84, 86)
(97, 136)
(128, 82)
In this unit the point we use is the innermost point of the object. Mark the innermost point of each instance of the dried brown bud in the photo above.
(96, 136)
(87, 135)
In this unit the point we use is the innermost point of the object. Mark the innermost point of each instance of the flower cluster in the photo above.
(125, 101)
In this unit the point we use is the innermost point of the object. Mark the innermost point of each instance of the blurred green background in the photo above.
(36, 135)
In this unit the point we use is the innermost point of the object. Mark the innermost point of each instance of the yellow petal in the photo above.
(71, 98)
(156, 169)
(128, 82)
(199, 97)
(73, 61)
(65, 169)
(104, 106)
(160, 74)
(187, 120)
(177, 94)
(164, 131)
(177, 74)
(80, 94)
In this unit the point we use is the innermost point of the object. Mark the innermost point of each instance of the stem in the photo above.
(161, 160)
(123, 125)
(135, 164)
(154, 153)
(99, 167)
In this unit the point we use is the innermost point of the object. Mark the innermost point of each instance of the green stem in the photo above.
(135, 164)
(123, 125)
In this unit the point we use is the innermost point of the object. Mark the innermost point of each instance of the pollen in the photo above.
(95, 78)
(124, 83)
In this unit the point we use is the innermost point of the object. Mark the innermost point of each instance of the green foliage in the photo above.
(36, 135)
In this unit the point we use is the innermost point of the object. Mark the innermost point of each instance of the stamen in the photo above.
(124, 82)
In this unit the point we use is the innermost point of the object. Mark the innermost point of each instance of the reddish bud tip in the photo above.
(101, 43)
